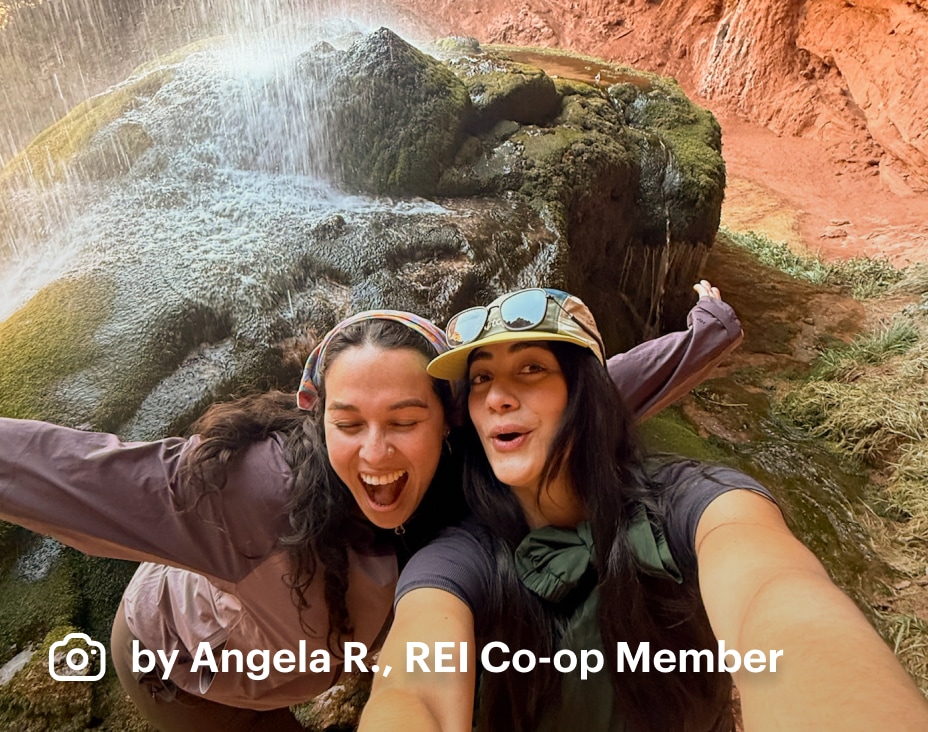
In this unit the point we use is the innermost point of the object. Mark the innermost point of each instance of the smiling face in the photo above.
(517, 398)
(384, 426)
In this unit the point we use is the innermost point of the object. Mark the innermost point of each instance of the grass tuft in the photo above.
(869, 399)
(846, 363)
(908, 636)
(862, 277)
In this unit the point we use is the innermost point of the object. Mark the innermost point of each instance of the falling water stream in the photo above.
(235, 139)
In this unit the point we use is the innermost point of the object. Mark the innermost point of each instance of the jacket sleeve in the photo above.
(124, 500)
(656, 373)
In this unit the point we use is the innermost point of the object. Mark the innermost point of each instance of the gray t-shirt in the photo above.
(460, 561)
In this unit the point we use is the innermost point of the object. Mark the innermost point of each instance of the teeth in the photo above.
(382, 479)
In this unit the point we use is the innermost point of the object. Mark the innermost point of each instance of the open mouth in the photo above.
(509, 440)
(384, 490)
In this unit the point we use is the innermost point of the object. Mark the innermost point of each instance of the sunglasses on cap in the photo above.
(522, 310)
(531, 314)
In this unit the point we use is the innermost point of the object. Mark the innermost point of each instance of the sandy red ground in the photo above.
(834, 212)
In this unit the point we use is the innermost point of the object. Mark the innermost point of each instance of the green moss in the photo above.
(457, 45)
(61, 147)
(583, 155)
(49, 338)
(670, 432)
(35, 702)
(571, 87)
(102, 583)
(29, 609)
(656, 106)
(8, 534)
(50, 155)
(512, 91)
(692, 139)
(399, 115)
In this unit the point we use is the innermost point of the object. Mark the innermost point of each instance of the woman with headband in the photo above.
(280, 526)
(603, 594)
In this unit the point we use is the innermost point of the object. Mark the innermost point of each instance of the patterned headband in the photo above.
(309, 385)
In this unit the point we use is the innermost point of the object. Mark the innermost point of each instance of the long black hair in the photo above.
(324, 518)
(597, 450)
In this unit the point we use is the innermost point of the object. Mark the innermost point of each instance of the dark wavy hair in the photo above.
(324, 518)
(597, 449)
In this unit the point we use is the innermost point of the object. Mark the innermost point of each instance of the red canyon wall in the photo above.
(848, 72)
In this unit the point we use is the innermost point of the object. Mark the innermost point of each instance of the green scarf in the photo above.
(552, 562)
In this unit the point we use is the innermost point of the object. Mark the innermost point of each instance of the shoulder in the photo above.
(686, 489)
(254, 491)
(459, 561)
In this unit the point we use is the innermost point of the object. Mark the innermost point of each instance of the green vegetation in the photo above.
(670, 432)
(50, 155)
(49, 338)
(63, 147)
(691, 140)
(399, 115)
(861, 276)
(869, 400)
(34, 701)
(845, 361)
(30, 609)
(908, 636)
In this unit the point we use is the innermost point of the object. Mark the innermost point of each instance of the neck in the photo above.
(555, 504)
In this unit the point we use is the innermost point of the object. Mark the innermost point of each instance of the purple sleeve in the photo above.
(659, 371)
(124, 500)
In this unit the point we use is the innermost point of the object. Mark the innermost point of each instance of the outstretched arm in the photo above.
(657, 372)
(415, 699)
(764, 590)
(126, 500)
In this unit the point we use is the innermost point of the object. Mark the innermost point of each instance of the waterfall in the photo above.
(217, 143)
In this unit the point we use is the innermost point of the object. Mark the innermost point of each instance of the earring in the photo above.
(447, 445)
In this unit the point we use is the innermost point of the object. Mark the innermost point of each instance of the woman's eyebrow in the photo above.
(484, 355)
(414, 402)
(342, 407)
(404, 404)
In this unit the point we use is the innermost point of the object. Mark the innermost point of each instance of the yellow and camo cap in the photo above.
(534, 314)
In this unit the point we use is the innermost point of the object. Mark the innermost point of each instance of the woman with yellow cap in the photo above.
(596, 592)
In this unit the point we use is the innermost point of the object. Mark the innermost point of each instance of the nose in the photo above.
(500, 397)
(376, 448)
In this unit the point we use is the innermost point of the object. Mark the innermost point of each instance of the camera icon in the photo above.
(80, 663)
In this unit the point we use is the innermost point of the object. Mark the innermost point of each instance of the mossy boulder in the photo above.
(72, 145)
(397, 116)
(49, 340)
(630, 175)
